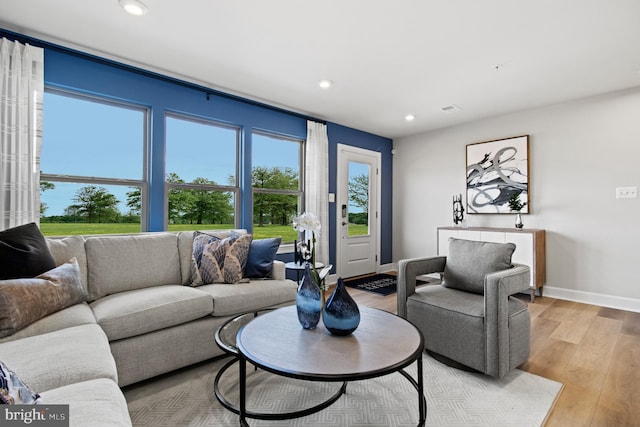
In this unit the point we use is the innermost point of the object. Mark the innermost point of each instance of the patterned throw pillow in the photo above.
(23, 301)
(13, 391)
(213, 258)
(200, 241)
(236, 259)
(217, 259)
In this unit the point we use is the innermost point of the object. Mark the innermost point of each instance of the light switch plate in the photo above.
(626, 192)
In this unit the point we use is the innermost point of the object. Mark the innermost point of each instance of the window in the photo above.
(277, 187)
(202, 164)
(92, 165)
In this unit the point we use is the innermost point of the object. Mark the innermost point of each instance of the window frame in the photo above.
(300, 193)
(142, 183)
(237, 202)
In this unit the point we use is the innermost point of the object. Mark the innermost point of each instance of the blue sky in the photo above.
(95, 139)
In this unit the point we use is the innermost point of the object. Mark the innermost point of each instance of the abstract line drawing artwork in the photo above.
(495, 171)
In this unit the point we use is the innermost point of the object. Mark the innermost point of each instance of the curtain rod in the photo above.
(147, 73)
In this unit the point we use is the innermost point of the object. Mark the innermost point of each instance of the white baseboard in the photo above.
(602, 300)
(384, 268)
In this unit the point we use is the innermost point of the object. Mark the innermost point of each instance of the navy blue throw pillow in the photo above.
(261, 255)
(24, 253)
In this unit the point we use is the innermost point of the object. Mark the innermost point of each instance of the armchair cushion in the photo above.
(468, 262)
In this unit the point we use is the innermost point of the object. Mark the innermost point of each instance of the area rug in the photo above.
(382, 284)
(454, 398)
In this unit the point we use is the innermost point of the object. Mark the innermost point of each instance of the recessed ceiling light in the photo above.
(134, 7)
(409, 117)
(325, 84)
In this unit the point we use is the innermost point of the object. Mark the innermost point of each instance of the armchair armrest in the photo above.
(497, 289)
(408, 269)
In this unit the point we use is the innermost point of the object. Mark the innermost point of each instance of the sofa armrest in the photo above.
(278, 272)
(497, 289)
(408, 269)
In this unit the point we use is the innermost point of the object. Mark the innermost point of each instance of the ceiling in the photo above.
(386, 58)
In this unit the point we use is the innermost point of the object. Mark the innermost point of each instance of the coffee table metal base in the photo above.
(240, 409)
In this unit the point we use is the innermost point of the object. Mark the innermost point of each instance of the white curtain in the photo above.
(21, 94)
(317, 184)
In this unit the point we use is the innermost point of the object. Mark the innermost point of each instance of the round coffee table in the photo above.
(274, 341)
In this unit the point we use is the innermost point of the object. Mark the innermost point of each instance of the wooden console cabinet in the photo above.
(530, 247)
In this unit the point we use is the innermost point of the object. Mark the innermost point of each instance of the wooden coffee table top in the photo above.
(383, 343)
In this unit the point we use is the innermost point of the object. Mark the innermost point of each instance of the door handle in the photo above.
(344, 223)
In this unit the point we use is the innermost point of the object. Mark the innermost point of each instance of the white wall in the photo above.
(579, 152)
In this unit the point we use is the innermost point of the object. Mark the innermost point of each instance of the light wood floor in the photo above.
(593, 351)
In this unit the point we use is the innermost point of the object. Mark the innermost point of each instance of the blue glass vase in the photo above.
(340, 314)
(308, 300)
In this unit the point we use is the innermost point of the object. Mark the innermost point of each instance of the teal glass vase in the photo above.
(308, 300)
(340, 314)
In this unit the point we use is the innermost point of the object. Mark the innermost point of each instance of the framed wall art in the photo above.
(498, 171)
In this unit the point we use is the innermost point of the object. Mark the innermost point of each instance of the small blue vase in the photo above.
(341, 315)
(308, 300)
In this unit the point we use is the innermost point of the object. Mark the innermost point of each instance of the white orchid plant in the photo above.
(309, 224)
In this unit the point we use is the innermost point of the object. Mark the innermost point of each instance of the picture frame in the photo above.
(496, 171)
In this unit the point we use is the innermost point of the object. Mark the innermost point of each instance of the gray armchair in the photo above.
(471, 317)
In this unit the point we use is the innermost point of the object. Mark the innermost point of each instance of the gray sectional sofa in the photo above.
(142, 319)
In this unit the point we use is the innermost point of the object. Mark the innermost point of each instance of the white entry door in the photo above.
(357, 203)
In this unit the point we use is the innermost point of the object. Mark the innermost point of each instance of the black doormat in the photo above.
(381, 284)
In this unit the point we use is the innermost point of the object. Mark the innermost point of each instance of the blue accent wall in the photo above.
(79, 72)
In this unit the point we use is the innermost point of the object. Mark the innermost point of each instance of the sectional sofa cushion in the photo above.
(470, 261)
(24, 252)
(96, 403)
(23, 301)
(65, 248)
(13, 391)
(262, 253)
(76, 315)
(123, 263)
(73, 355)
(246, 297)
(141, 311)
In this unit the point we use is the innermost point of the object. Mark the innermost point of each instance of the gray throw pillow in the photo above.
(470, 261)
(23, 301)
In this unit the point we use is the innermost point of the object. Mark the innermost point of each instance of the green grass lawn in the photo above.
(287, 232)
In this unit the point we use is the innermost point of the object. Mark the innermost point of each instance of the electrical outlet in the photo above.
(626, 192)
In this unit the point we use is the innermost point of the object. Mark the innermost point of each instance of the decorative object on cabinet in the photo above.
(495, 171)
(516, 206)
(458, 210)
(530, 247)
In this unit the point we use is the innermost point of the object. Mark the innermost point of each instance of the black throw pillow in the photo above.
(24, 252)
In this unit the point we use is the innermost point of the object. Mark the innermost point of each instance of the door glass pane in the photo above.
(358, 192)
